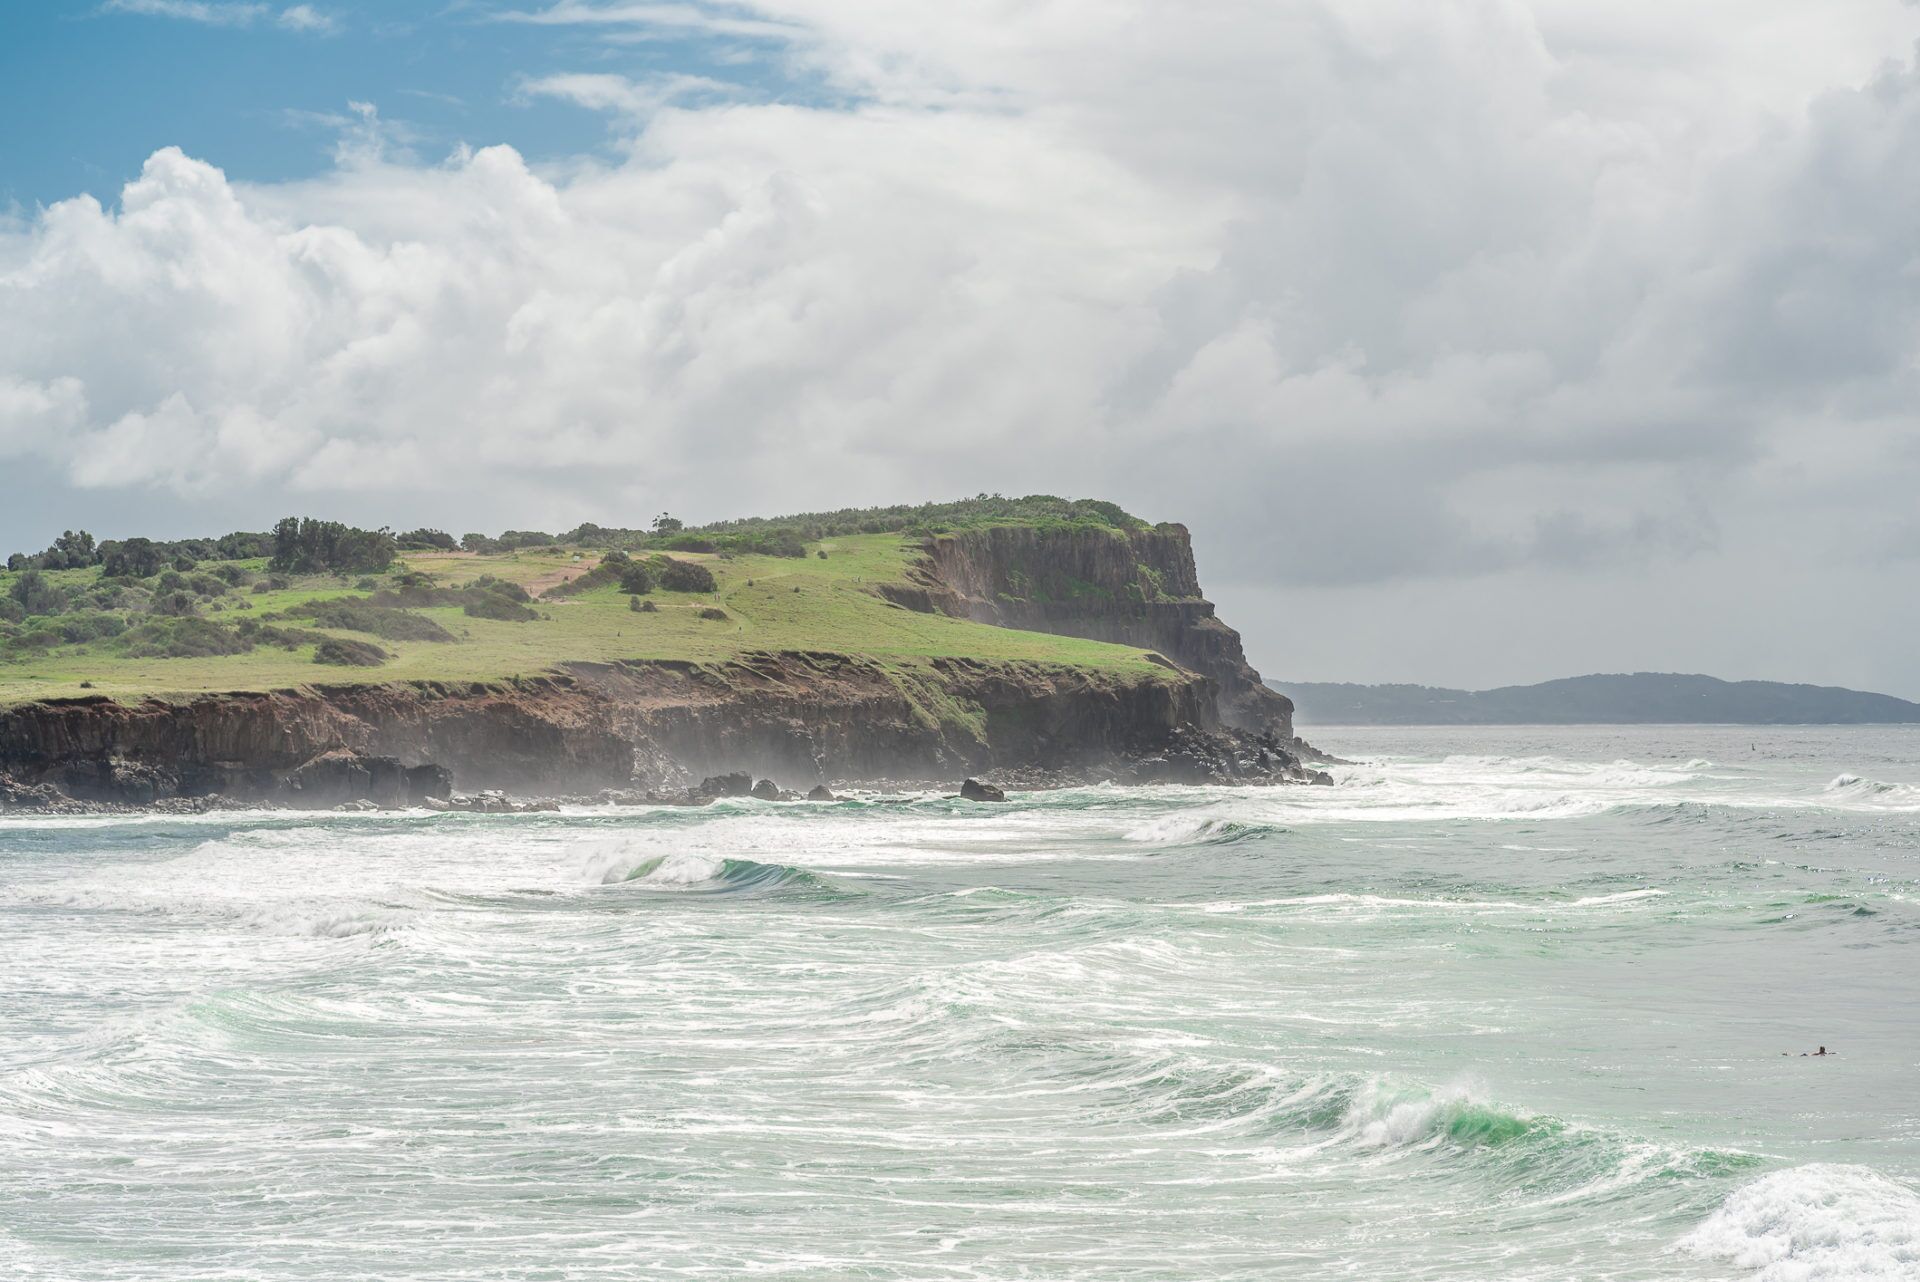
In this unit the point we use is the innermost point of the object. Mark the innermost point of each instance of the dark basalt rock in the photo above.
(974, 790)
(820, 792)
(334, 779)
(735, 784)
(765, 790)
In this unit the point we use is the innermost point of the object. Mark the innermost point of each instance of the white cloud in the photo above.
(304, 17)
(1372, 293)
(709, 18)
(215, 13)
(601, 91)
(229, 13)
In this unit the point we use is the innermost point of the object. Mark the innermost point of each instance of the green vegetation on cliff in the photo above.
(317, 603)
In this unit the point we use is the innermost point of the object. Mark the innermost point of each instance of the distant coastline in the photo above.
(1640, 698)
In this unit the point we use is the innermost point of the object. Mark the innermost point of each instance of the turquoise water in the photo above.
(1505, 1004)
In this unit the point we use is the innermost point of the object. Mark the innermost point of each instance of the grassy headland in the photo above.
(500, 608)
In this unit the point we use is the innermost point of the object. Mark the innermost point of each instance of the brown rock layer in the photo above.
(791, 716)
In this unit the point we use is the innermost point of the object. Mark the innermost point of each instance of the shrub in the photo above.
(514, 539)
(645, 607)
(242, 545)
(231, 575)
(500, 608)
(175, 604)
(183, 638)
(35, 595)
(382, 621)
(425, 539)
(78, 629)
(684, 576)
(715, 613)
(23, 644)
(636, 579)
(349, 654)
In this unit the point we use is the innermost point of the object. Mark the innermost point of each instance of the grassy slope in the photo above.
(834, 610)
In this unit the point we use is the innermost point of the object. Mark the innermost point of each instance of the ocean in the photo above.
(1506, 1003)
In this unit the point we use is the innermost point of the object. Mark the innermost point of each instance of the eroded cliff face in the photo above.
(1138, 588)
(795, 717)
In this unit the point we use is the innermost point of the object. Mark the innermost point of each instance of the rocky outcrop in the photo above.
(657, 727)
(699, 732)
(1137, 587)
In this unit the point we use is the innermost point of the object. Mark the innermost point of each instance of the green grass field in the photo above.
(771, 603)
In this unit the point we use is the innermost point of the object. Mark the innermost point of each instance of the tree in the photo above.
(667, 524)
(70, 551)
(134, 558)
(302, 545)
(636, 579)
(242, 545)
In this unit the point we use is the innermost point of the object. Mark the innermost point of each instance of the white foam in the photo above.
(1624, 897)
(675, 871)
(1818, 1223)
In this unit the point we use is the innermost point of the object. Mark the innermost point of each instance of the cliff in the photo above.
(1132, 587)
(657, 726)
(1058, 642)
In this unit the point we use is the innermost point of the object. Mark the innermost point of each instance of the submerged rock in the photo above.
(974, 790)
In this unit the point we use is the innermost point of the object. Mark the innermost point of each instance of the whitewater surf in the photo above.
(1503, 1004)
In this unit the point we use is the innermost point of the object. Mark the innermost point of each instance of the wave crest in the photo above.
(690, 871)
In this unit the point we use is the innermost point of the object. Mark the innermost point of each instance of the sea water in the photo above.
(1503, 1004)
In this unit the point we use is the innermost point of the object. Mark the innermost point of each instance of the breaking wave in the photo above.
(1817, 1223)
(708, 874)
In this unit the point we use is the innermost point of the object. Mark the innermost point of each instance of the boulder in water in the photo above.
(765, 790)
(736, 784)
(820, 792)
(974, 790)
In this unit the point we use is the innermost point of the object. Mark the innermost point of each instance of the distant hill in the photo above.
(1614, 699)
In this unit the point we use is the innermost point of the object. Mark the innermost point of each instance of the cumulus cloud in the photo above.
(1374, 294)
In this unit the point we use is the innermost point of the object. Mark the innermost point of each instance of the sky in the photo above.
(1477, 341)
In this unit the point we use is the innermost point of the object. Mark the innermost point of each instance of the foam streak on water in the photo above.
(1504, 1005)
